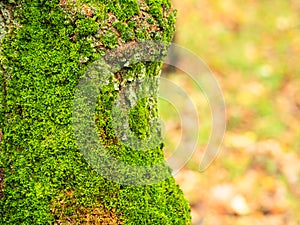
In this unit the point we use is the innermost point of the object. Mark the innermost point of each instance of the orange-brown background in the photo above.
(253, 49)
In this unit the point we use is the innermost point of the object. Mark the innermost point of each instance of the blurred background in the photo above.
(253, 49)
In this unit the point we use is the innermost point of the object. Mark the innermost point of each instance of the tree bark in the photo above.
(46, 49)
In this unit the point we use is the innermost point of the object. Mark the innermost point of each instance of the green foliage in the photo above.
(42, 61)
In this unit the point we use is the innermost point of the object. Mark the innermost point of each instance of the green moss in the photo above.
(156, 10)
(86, 27)
(124, 9)
(45, 53)
(109, 39)
(127, 33)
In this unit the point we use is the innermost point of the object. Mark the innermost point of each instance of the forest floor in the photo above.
(253, 49)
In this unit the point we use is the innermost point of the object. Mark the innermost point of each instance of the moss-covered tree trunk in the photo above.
(46, 48)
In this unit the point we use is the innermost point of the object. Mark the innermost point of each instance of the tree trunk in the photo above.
(48, 48)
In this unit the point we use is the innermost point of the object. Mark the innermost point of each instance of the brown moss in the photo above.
(66, 211)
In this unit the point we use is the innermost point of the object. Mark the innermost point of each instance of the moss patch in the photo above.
(66, 211)
(45, 53)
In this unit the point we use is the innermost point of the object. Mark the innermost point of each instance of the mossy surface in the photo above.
(45, 50)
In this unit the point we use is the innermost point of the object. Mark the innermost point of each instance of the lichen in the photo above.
(6, 19)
